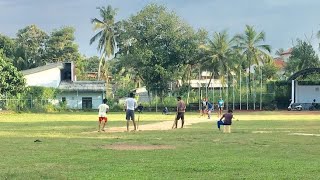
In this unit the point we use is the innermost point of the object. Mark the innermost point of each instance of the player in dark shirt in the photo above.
(226, 122)
(181, 109)
(140, 108)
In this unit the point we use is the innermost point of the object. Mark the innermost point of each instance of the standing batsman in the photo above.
(181, 109)
(130, 106)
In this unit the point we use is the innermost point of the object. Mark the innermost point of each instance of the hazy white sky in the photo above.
(282, 20)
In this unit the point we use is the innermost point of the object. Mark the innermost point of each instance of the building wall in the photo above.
(74, 99)
(306, 94)
(47, 78)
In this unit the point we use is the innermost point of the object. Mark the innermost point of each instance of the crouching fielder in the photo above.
(227, 121)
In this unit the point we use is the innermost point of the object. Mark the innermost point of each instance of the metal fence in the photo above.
(264, 101)
(23, 104)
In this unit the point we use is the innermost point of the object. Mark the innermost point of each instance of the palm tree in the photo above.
(250, 44)
(219, 50)
(221, 58)
(105, 36)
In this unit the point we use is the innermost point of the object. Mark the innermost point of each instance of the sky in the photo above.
(283, 21)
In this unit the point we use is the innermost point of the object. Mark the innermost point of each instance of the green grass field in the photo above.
(262, 145)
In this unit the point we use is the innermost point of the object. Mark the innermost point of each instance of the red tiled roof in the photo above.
(279, 62)
(289, 51)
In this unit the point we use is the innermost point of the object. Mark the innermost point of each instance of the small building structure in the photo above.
(76, 94)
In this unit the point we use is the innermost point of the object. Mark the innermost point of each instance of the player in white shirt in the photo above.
(130, 105)
(103, 109)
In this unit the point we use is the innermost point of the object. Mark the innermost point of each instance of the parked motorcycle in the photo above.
(295, 107)
(314, 106)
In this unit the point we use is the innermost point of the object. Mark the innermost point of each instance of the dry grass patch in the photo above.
(123, 147)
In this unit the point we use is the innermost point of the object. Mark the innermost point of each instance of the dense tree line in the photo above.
(32, 47)
(156, 47)
(153, 48)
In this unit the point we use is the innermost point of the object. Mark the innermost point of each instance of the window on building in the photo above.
(87, 103)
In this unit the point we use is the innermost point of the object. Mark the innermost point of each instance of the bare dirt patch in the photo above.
(161, 126)
(123, 147)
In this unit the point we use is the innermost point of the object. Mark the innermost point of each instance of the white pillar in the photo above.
(213, 87)
(260, 88)
(232, 92)
(292, 91)
(156, 101)
(199, 85)
(240, 89)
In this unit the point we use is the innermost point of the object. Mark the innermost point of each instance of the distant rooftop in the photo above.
(43, 68)
(280, 63)
(215, 83)
(286, 52)
(83, 86)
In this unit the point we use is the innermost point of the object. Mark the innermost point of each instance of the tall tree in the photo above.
(61, 46)
(156, 44)
(269, 72)
(7, 44)
(30, 47)
(302, 57)
(125, 79)
(219, 52)
(251, 45)
(11, 80)
(106, 35)
(92, 64)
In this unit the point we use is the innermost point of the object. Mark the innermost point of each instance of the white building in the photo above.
(82, 94)
(306, 93)
(45, 76)
(204, 81)
(76, 94)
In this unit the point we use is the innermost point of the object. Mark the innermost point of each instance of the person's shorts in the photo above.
(103, 119)
(130, 115)
(220, 107)
(203, 108)
(180, 115)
